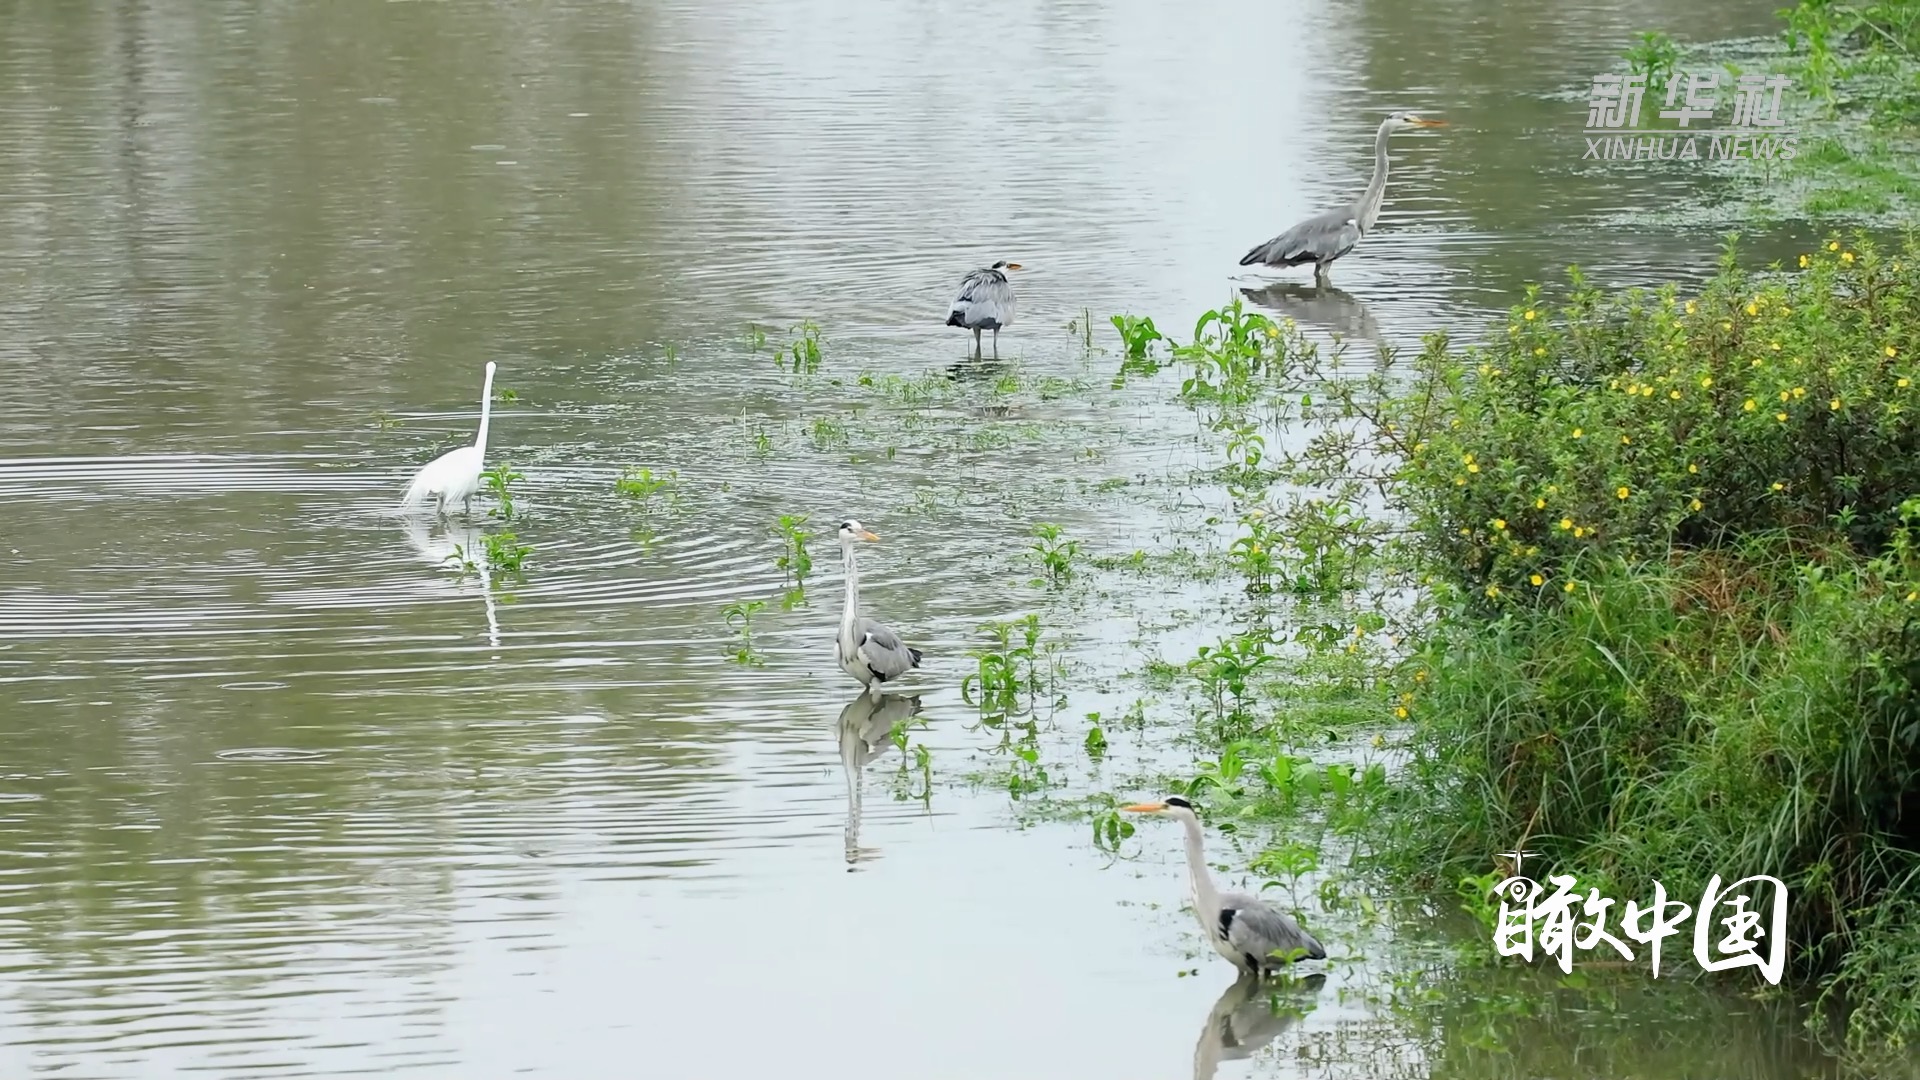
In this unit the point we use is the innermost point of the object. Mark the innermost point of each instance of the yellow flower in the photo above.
(1530, 315)
(1774, 345)
(1553, 489)
(1646, 391)
(1500, 523)
(1539, 351)
(1689, 307)
(1420, 676)
(1780, 416)
(1568, 586)
(1537, 580)
(1912, 596)
(1694, 505)
(1473, 468)
(1674, 394)
(1621, 492)
(1902, 383)
(1693, 468)
(1751, 310)
(1706, 382)
(1626, 440)
(1749, 406)
(1486, 369)
(1399, 711)
(1834, 246)
(1577, 433)
(1579, 532)
(1834, 404)
(1460, 481)
(1799, 391)
(1272, 333)
(1464, 530)
(1778, 486)
(1803, 262)
(1468, 460)
(1891, 351)
(1539, 504)
(1847, 256)
(1784, 395)
(1566, 523)
(1492, 590)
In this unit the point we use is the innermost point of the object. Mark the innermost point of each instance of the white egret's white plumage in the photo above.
(1256, 936)
(1326, 236)
(867, 649)
(985, 302)
(454, 477)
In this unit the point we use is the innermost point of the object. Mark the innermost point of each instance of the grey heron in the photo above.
(865, 729)
(1244, 1020)
(455, 475)
(1325, 237)
(867, 649)
(1256, 936)
(985, 303)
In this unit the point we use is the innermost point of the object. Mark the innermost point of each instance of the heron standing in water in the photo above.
(867, 649)
(1325, 237)
(985, 303)
(1245, 929)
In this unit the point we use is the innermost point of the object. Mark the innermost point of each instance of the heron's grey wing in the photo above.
(1318, 239)
(985, 300)
(882, 651)
(1256, 929)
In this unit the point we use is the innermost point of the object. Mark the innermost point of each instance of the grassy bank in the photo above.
(1633, 585)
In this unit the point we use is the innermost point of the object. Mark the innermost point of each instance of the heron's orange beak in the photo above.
(1013, 266)
(1145, 808)
(865, 535)
(1424, 122)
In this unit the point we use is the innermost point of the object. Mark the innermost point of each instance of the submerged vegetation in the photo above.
(1634, 585)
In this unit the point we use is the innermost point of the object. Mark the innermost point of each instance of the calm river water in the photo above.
(280, 796)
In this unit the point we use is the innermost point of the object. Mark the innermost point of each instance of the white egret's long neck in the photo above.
(1376, 187)
(852, 610)
(486, 410)
(1204, 896)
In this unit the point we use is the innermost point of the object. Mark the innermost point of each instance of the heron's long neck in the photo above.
(852, 611)
(486, 411)
(1376, 187)
(1204, 896)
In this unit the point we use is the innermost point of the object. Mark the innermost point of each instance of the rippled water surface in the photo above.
(282, 793)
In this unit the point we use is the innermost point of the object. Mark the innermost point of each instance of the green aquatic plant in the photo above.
(1655, 56)
(1054, 552)
(793, 560)
(641, 485)
(1006, 668)
(756, 338)
(803, 353)
(828, 433)
(499, 480)
(505, 552)
(739, 617)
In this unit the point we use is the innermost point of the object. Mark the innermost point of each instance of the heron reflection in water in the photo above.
(456, 542)
(865, 729)
(1335, 310)
(1249, 1016)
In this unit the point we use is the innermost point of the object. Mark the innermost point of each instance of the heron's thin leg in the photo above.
(996, 343)
(976, 341)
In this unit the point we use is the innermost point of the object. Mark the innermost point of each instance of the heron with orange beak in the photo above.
(1256, 936)
(1325, 237)
(985, 303)
(867, 649)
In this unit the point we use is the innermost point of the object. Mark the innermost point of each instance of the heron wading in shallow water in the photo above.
(867, 649)
(1325, 237)
(985, 303)
(1256, 936)
(454, 476)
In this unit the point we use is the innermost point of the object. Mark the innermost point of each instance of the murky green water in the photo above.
(280, 795)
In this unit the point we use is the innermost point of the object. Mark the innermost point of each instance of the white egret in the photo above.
(454, 476)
